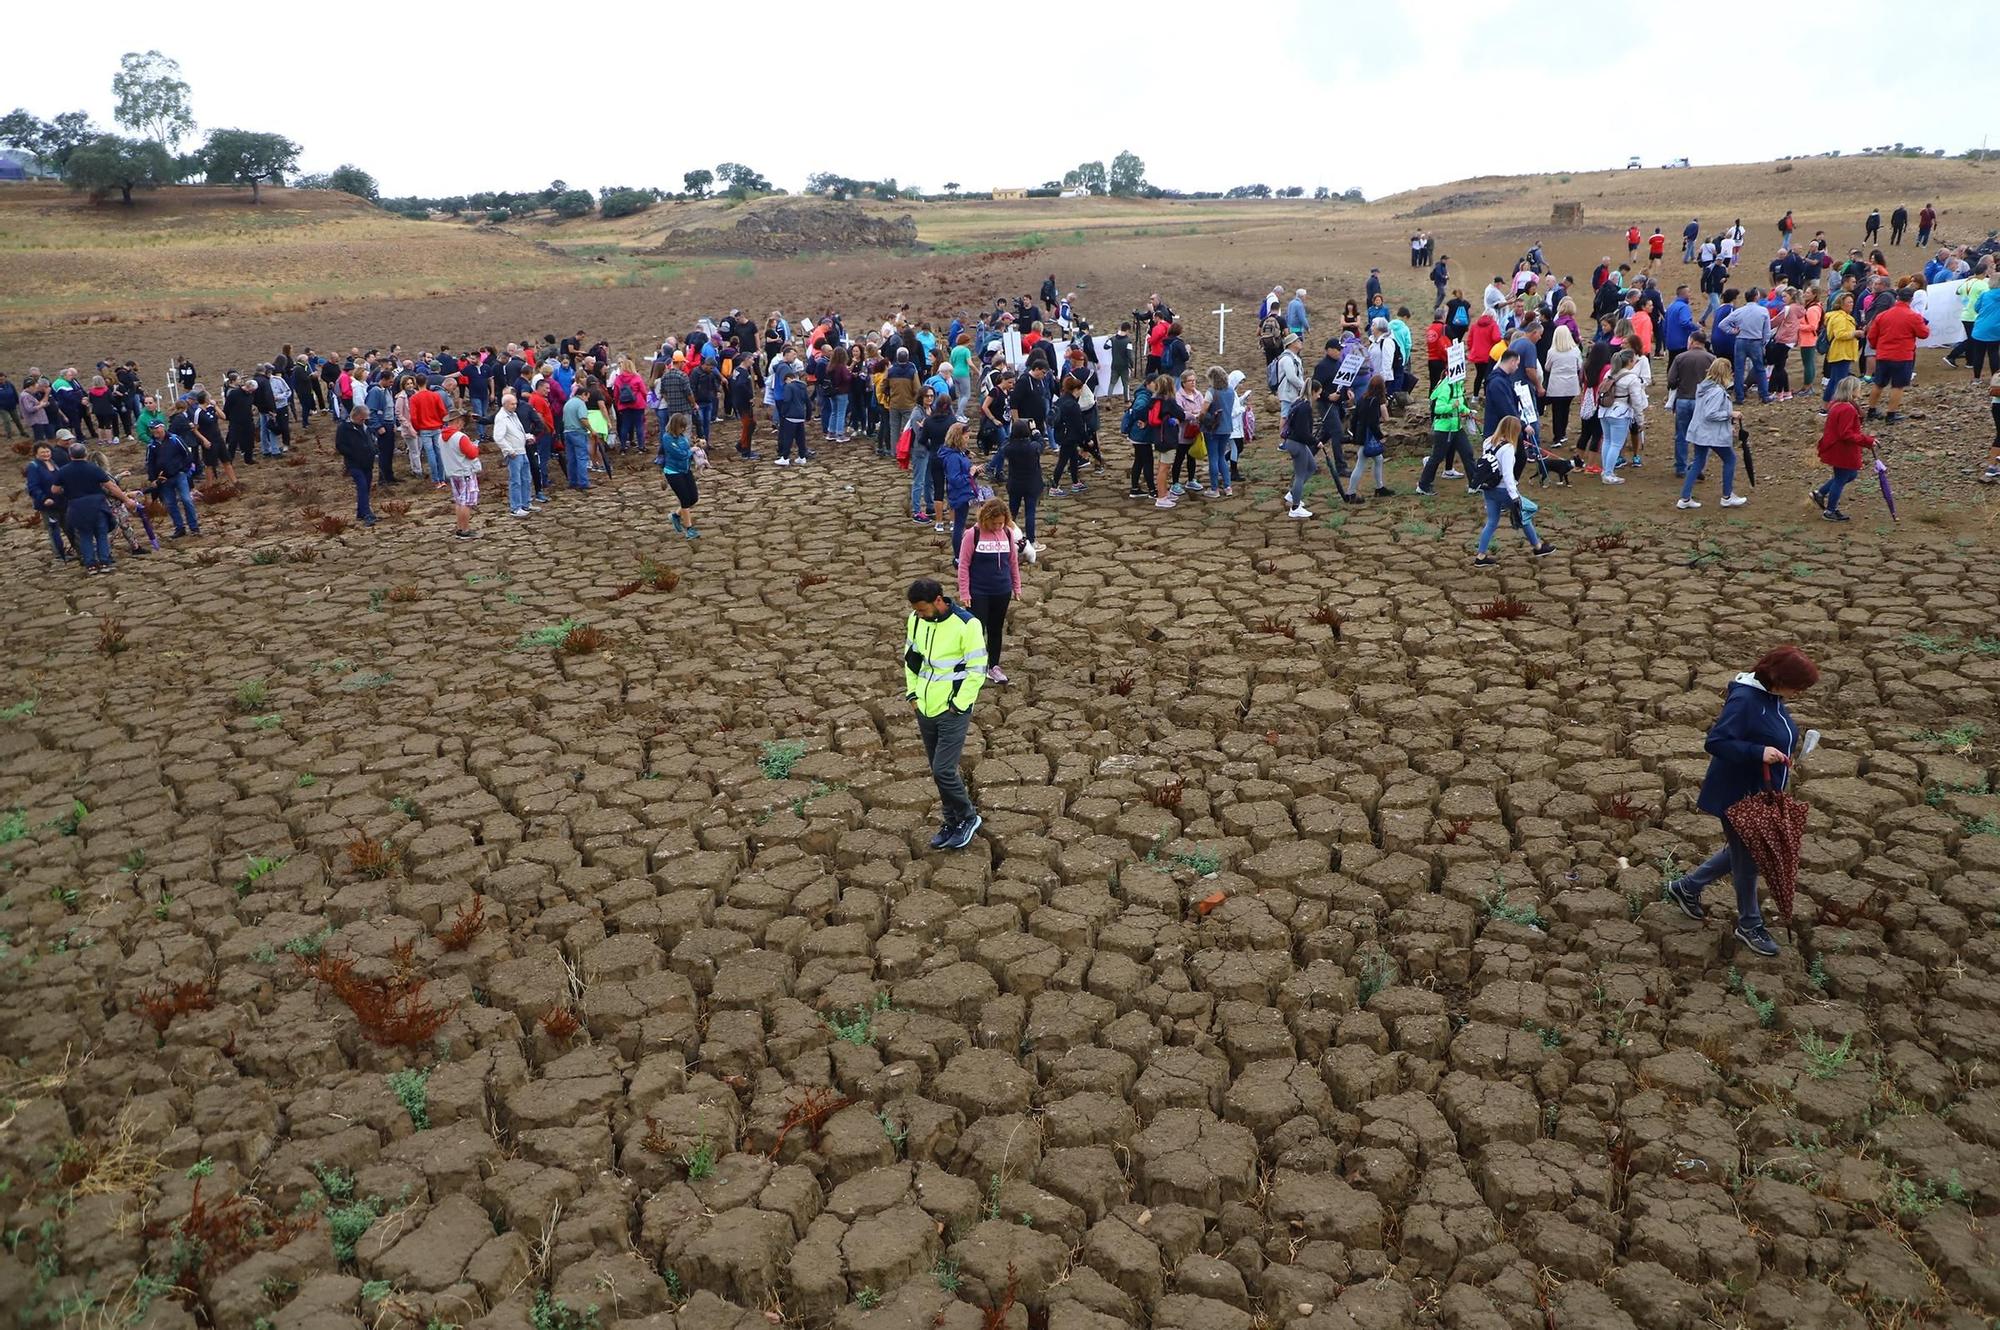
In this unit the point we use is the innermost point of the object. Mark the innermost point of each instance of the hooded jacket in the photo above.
(1752, 720)
(944, 661)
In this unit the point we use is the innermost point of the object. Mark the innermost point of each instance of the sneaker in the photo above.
(1077, 488)
(1454, 475)
(1058, 492)
(1163, 503)
(1177, 491)
(1135, 494)
(941, 527)
(943, 837)
(1833, 515)
(1299, 514)
(520, 512)
(1989, 475)
(1211, 493)
(1687, 503)
(808, 457)
(1636, 462)
(1691, 906)
(1384, 492)
(1229, 493)
(921, 519)
(1543, 550)
(1428, 494)
(540, 498)
(1484, 561)
(1893, 418)
(963, 833)
(1733, 501)
(1352, 498)
(782, 461)
(1818, 498)
(693, 534)
(996, 675)
(1874, 414)
(679, 525)
(465, 535)
(1613, 480)
(1757, 938)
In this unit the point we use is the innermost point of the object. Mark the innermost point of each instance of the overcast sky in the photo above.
(1383, 96)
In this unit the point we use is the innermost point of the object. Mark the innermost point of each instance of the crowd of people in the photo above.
(972, 405)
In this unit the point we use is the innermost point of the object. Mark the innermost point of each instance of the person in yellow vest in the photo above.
(944, 667)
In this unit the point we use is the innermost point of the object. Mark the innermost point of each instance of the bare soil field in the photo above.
(375, 952)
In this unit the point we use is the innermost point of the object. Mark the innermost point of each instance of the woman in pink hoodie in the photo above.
(628, 398)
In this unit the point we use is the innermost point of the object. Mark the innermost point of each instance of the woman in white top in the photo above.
(1494, 474)
(1623, 402)
(1563, 377)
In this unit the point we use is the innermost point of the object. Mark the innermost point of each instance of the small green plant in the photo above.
(1377, 973)
(412, 1090)
(164, 905)
(375, 598)
(1930, 645)
(1551, 1037)
(404, 804)
(549, 636)
(20, 710)
(375, 1290)
(779, 756)
(1958, 739)
(309, 945)
(699, 1161)
(1907, 1203)
(307, 780)
(945, 1272)
(251, 695)
(13, 827)
(1816, 974)
(135, 862)
(1824, 1061)
(267, 722)
(1497, 906)
(1766, 1008)
(992, 1210)
(553, 1314)
(255, 867)
(72, 822)
(899, 1137)
(1201, 861)
(1984, 825)
(265, 557)
(676, 1291)
(858, 1030)
(868, 1299)
(346, 1225)
(203, 1167)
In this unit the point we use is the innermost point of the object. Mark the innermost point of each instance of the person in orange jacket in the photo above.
(1437, 346)
(1632, 241)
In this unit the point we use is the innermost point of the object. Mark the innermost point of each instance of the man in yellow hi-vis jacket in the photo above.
(944, 666)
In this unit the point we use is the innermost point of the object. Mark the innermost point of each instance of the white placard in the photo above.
(1350, 366)
(1454, 362)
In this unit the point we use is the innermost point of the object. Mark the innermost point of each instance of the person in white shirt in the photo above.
(1494, 476)
(1728, 250)
(512, 438)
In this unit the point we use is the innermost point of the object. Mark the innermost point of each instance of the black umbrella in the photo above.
(1749, 462)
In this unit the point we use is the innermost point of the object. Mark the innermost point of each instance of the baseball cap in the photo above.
(64, 434)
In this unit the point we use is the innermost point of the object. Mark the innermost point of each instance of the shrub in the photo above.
(458, 935)
(779, 756)
(373, 859)
(160, 1006)
(1501, 607)
(110, 636)
(392, 1011)
(624, 203)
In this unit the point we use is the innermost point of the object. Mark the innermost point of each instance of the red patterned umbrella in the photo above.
(1771, 823)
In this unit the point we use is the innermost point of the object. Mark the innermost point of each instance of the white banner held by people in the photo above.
(1350, 365)
(1454, 362)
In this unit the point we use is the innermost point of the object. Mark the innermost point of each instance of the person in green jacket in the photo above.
(1447, 432)
(150, 415)
(944, 667)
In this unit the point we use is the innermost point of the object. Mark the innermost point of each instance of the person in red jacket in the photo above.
(1894, 334)
(1632, 241)
(1656, 245)
(1437, 346)
(1480, 340)
(1840, 445)
(427, 419)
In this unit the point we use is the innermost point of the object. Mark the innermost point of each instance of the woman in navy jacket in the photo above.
(1751, 740)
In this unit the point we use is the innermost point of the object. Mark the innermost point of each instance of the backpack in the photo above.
(1486, 469)
(1085, 399)
(627, 396)
(1271, 375)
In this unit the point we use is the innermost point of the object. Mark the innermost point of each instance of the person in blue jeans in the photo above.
(1021, 457)
(1749, 748)
(1750, 323)
(576, 442)
(926, 443)
(1495, 475)
(169, 460)
(1711, 429)
(41, 479)
(959, 486)
(89, 491)
(1218, 423)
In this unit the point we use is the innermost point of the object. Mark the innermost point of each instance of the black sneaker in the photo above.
(1819, 499)
(1384, 492)
(943, 837)
(1691, 906)
(1757, 938)
(1833, 515)
(1485, 561)
(1543, 550)
(962, 834)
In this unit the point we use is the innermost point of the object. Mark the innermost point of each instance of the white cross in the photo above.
(1221, 313)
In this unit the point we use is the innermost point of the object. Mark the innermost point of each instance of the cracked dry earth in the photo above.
(1311, 970)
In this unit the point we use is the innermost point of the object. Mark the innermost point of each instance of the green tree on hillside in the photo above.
(152, 98)
(1128, 173)
(697, 183)
(572, 203)
(1090, 175)
(741, 180)
(247, 157)
(51, 141)
(348, 178)
(113, 161)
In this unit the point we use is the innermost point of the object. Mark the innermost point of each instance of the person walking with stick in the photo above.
(944, 667)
